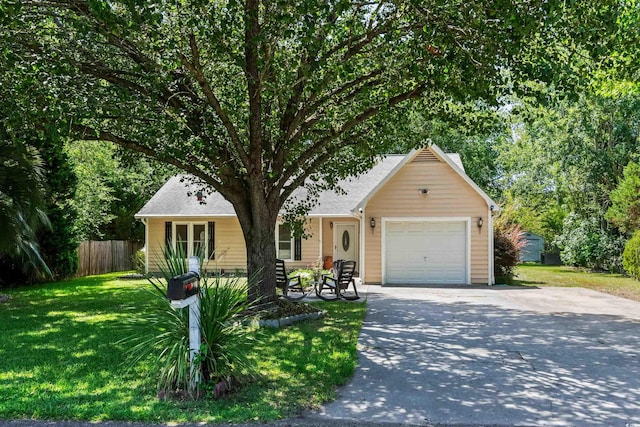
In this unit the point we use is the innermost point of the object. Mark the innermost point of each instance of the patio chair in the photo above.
(338, 282)
(291, 286)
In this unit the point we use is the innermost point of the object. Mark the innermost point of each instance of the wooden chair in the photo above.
(338, 282)
(291, 286)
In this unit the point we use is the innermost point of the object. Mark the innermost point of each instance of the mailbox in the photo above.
(183, 286)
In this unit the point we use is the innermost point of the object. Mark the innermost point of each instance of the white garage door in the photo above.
(422, 252)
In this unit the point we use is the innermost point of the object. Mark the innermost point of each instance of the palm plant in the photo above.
(21, 204)
(226, 339)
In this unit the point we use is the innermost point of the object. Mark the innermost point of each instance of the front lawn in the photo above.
(59, 359)
(548, 275)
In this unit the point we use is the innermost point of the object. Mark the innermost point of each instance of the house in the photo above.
(533, 249)
(412, 219)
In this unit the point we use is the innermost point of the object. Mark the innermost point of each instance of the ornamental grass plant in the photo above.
(225, 333)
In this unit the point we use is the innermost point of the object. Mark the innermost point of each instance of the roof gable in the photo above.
(432, 153)
(460, 171)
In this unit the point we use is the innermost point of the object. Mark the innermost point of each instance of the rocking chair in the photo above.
(291, 286)
(338, 282)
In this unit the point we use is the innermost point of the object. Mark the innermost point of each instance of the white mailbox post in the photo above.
(193, 303)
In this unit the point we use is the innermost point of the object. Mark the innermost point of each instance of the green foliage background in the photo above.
(631, 256)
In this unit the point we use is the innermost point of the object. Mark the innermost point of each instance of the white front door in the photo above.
(345, 241)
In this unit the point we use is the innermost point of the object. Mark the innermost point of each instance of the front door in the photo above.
(345, 241)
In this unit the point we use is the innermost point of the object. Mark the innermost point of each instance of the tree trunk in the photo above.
(258, 224)
(261, 263)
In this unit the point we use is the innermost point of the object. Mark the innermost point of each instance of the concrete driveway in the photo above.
(495, 356)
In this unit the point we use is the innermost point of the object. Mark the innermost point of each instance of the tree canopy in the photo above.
(256, 99)
(112, 187)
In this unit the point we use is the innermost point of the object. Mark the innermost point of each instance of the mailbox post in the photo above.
(184, 291)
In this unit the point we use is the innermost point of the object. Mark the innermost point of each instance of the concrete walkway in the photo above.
(495, 356)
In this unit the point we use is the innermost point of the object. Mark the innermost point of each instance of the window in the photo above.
(182, 238)
(284, 241)
(192, 238)
(199, 240)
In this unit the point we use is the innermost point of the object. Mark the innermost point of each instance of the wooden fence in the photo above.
(96, 257)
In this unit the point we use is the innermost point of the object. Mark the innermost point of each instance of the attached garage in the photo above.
(426, 251)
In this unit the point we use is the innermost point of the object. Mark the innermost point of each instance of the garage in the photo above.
(425, 251)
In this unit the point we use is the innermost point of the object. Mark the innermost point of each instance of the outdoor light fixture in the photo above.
(331, 225)
(480, 222)
(424, 191)
(372, 223)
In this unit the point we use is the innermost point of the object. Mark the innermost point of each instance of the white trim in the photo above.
(320, 242)
(146, 243)
(492, 257)
(465, 219)
(185, 216)
(404, 161)
(190, 236)
(325, 215)
(489, 223)
(293, 242)
(443, 156)
(362, 269)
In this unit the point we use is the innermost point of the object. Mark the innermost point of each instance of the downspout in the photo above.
(146, 244)
(490, 247)
(320, 255)
(361, 249)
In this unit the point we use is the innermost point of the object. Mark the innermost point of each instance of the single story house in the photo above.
(411, 219)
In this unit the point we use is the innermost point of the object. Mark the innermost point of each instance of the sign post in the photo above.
(184, 291)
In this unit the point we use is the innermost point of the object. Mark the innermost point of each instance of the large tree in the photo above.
(256, 99)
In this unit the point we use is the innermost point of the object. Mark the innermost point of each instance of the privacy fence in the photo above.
(96, 257)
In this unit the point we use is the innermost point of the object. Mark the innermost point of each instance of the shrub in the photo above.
(509, 239)
(139, 261)
(585, 242)
(308, 276)
(631, 256)
(225, 337)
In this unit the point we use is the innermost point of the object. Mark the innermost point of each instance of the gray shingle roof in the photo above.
(173, 198)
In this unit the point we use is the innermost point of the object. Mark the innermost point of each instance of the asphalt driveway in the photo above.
(495, 356)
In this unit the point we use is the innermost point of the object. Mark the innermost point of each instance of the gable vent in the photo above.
(425, 156)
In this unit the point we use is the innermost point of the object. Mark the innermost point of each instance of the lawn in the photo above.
(60, 359)
(547, 275)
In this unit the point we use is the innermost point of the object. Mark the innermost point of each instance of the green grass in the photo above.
(546, 275)
(60, 359)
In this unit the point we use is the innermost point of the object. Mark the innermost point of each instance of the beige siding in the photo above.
(156, 241)
(310, 246)
(449, 196)
(229, 244)
(231, 252)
